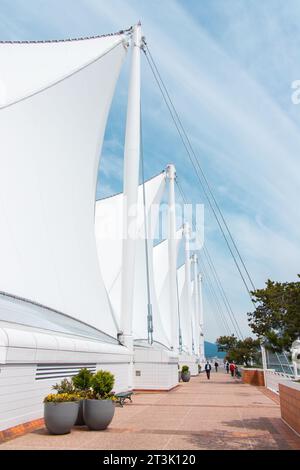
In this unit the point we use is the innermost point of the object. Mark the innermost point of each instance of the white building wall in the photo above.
(191, 361)
(31, 361)
(21, 395)
(155, 369)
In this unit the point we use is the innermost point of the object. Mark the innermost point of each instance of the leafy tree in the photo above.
(240, 351)
(276, 319)
(225, 343)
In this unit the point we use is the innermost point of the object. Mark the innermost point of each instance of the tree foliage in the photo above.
(276, 319)
(239, 351)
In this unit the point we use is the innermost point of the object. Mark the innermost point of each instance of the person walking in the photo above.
(232, 368)
(216, 366)
(227, 367)
(207, 369)
(237, 372)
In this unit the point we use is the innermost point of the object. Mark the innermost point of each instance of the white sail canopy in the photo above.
(185, 320)
(162, 282)
(28, 68)
(109, 231)
(55, 101)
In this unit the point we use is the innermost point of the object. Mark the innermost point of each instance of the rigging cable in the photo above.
(216, 300)
(210, 285)
(223, 293)
(213, 299)
(182, 133)
(215, 276)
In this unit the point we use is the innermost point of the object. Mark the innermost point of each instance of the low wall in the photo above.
(289, 395)
(154, 369)
(253, 377)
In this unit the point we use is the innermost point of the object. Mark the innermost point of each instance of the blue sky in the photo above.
(228, 65)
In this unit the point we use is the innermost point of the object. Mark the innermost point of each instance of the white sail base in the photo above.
(155, 368)
(191, 361)
(39, 348)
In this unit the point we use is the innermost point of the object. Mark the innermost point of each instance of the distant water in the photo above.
(211, 350)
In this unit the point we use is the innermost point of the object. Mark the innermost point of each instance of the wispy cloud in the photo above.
(228, 69)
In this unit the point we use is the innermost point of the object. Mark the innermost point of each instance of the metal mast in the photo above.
(131, 183)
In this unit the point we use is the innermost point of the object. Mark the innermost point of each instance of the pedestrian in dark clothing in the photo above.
(227, 367)
(207, 369)
(216, 366)
(232, 368)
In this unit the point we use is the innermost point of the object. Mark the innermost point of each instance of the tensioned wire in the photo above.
(216, 278)
(198, 170)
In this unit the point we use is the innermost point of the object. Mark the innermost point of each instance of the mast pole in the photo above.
(131, 182)
(202, 350)
(196, 304)
(172, 251)
(188, 287)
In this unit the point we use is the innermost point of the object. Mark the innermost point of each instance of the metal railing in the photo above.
(273, 378)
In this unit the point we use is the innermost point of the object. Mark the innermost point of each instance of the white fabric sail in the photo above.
(55, 101)
(186, 327)
(162, 282)
(109, 230)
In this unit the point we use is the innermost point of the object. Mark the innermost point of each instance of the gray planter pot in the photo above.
(179, 376)
(185, 376)
(60, 417)
(80, 419)
(97, 414)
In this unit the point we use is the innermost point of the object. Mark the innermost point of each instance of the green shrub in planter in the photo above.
(82, 381)
(185, 374)
(99, 408)
(102, 384)
(60, 412)
(64, 387)
(82, 385)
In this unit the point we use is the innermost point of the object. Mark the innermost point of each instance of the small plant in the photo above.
(61, 397)
(64, 387)
(102, 384)
(185, 369)
(82, 381)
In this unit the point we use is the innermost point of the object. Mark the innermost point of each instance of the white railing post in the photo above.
(264, 362)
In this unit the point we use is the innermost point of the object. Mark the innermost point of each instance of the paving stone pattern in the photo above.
(220, 413)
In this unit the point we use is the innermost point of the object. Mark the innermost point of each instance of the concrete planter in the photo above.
(185, 376)
(98, 414)
(60, 417)
(80, 419)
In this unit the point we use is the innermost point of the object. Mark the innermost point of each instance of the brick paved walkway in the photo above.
(218, 414)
